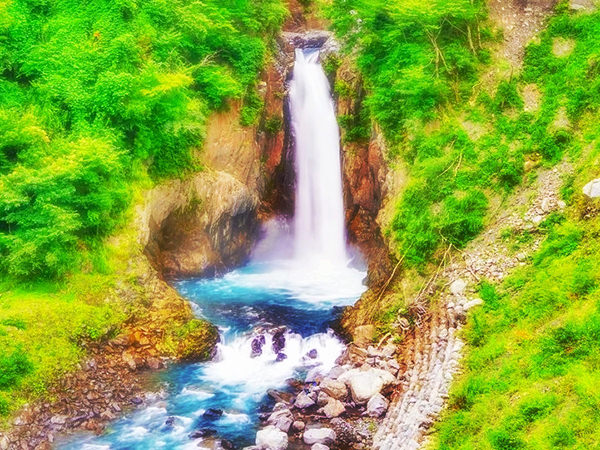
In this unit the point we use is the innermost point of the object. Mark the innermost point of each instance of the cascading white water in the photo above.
(319, 233)
(279, 289)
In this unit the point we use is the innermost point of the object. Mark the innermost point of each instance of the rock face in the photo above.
(592, 189)
(271, 438)
(199, 226)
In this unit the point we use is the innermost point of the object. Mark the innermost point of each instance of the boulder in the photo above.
(279, 341)
(333, 408)
(377, 406)
(271, 438)
(365, 383)
(212, 413)
(322, 398)
(592, 189)
(304, 400)
(257, 345)
(282, 419)
(319, 436)
(334, 388)
(319, 447)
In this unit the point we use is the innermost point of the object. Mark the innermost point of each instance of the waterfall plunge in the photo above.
(319, 235)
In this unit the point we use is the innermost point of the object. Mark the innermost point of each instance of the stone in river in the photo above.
(257, 345)
(280, 357)
(227, 445)
(212, 413)
(204, 432)
(278, 341)
(313, 354)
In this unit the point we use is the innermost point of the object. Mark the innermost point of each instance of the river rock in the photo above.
(298, 425)
(314, 374)
(377, 406)
(278, 341)
(319, 436)
(280, 357)
(227, 444)
(281, 419)
(364, 384)
(304, 400)
(592, 189)
(271, 438)
(334, 388)
(333, 408)
(212, 413)
(313, 354)
(319, 447)
(322, 398)
(204, 432)
(257, 345)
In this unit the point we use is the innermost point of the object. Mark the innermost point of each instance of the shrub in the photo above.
(13, 366)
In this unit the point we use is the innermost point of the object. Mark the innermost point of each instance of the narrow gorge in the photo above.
(301, 224)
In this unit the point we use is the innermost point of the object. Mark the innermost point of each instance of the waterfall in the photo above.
(319, 234)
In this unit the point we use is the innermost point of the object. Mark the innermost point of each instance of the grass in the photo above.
(531, 371)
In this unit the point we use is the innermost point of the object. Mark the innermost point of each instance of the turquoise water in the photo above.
(267, 296)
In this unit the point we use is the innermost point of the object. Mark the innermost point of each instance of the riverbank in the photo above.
(157, 327)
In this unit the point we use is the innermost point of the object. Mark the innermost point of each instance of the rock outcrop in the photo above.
(199, 226)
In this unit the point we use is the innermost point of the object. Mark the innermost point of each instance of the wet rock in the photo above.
(314, 374)
(304, 400)
(278, 341)
(318, 436)
(203, 433)
(153, 363)
(377, 406)
(271, 438)
(313, 354)
(364, 384)
(212, 413)
(257, 345)
(170, 422)
(334, 388)
(278, 396)
(280, 357)
(333, 408)
(227, 445)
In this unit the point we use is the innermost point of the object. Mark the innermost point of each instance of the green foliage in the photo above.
(90, 93)
(414, 54)
(13, 366)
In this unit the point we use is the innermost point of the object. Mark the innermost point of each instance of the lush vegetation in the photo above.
(95, 95)
(463, 137)
(532, 365)
(98, 100)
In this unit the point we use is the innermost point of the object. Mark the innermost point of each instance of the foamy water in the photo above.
(287, 295)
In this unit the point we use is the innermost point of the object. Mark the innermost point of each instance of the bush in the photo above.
(13, 366)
